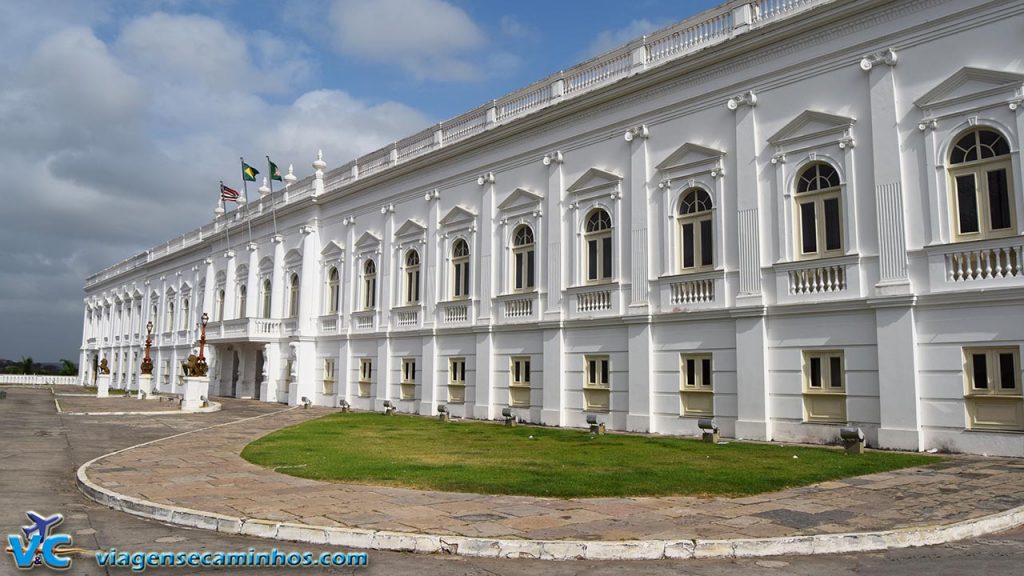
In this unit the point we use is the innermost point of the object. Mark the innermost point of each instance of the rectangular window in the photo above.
(458, 281)
(592, 259)
(688, 245)
(597, 383)
(456, 380)
(705, 243)
(833, 227)
(519, 381)
(606, 264)
(808, 230)
(999, 199)
(993, 388)
(530, 283)
(824, 391)
(695, 389)
(408, 384)
(328, 376)
(967, 204)
(365, 376)
(519, 271)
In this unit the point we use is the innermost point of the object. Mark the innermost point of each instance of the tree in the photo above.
(68, 368)
(26, 365)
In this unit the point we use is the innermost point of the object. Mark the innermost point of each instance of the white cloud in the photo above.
(611, 39)
(430, 39)
(510, 26)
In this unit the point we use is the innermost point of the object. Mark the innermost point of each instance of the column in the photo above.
(553, 363)
(898, 395)
(753, 420)
(487, 243)
(483, 407)
(637, 253)
(252, 283)
(277, 278)
(310, 279)
(208, 290)
(551, 254)
(229, 286)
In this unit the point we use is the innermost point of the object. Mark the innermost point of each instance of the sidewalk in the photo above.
(202, 471)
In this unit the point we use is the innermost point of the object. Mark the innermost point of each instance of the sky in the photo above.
(118, 118)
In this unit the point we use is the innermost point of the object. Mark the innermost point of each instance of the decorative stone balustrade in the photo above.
(594, 300)
(363, 320)
(329, 324)
(692, 292)
(818, 279)
(406, 317)
(985, 263)
(454, 312)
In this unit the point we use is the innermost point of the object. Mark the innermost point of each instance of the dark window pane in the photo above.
(519, 271)
(462, 370)
(979, 370)
(688, 245)
(835, 365)
(465, 279)
(705, 371)
(604, 371)
(529, 269)
(606, 271)
(526, 371)
(816, 372)
(691, 372)
(705, 243)
(999, 199)
(592, 259)
(515, 372)
(1007, 371)
(832, 225)
(417, 294)
(967, 203)
(458, 280)
(592, 376)
(808, 231)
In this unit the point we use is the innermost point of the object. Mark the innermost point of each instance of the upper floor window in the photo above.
(598, 246)
(818, 212)
(333, 290)
(242, 301)
(412, 277)
(266, 298)
(185, 320)
(523, 258)
(293, 296)
(369, 285)
(219, 312)
(460, 269)
(169, 325)
(979, 168)
(695, 237)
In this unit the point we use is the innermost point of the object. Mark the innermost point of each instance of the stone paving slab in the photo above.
(203, 471)
(128, 403)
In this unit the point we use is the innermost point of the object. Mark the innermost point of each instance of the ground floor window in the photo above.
(695, 390)
(328, 376)
(993, 389)
(824, 386)
(365, 377)
(457, 380)
(597, 383)
(408, 382)
(519, 382)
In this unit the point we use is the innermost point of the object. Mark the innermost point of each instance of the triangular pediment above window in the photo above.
(812, 124)
(689, 156)
(368, 241)
(969, 83)
(332, 250)
(410, 228)
(520, 197)
(594, 179)
(458, 215)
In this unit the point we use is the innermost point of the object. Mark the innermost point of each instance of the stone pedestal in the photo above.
(196, 388)
(102, 385)
(145, 386)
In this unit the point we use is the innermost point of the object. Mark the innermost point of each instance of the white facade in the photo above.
(788, 214)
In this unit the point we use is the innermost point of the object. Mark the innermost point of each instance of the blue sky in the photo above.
(120, 117)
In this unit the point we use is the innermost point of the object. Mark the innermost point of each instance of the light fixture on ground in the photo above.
(389, 408)
(510, 420)
(344, 405)
(709, 429)
(202, 399)
(595, 426)
(853, 440)
(306, 402)
(442, 413)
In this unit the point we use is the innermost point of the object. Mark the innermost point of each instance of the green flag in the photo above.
(249, 173)
(275, 174)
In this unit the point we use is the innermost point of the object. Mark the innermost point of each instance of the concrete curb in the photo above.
(539, 549)
(213, 407)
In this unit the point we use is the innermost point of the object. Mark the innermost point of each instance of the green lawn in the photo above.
(488, 458)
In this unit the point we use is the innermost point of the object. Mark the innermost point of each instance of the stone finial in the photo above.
(318, 164)
(290, 177)
(264, 189)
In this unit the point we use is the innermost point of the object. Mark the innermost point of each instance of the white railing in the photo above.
(407, 317)
(818, 279)
(674, 42)
(329, 324)
(457, 313)
(267, 327)
(692, 292)
(363, 320)
(985, 263)
(38, 379)
(519, 308)
(594, 300)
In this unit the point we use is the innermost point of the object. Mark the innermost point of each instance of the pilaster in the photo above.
(252, 283)
(277, 278)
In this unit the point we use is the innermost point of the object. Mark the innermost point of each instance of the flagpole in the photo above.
(273, 205)
(227, 221)
(248, 208)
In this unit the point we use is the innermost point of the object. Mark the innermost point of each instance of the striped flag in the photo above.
(228, 194)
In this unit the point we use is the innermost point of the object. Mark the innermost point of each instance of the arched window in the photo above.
(370, 285)
(267, 287)
(460, 269)
(818, 212)
(153, 315)
(185, 311)
(242, 300)
(218, 311)
(333, 289)
(598, 246)
(169, 323)
(412, 277)
(293, 296)
(979, 168)
(696, 244)
(523, 259)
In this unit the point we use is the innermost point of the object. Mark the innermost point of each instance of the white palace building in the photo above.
(790, 215)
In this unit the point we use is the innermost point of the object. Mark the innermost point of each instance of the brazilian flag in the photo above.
(275, 174)
(249, 173)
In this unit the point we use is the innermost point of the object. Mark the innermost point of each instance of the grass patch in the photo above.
(466, 456)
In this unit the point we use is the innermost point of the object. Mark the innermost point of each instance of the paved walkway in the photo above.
(203, 471)
(92, 404)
